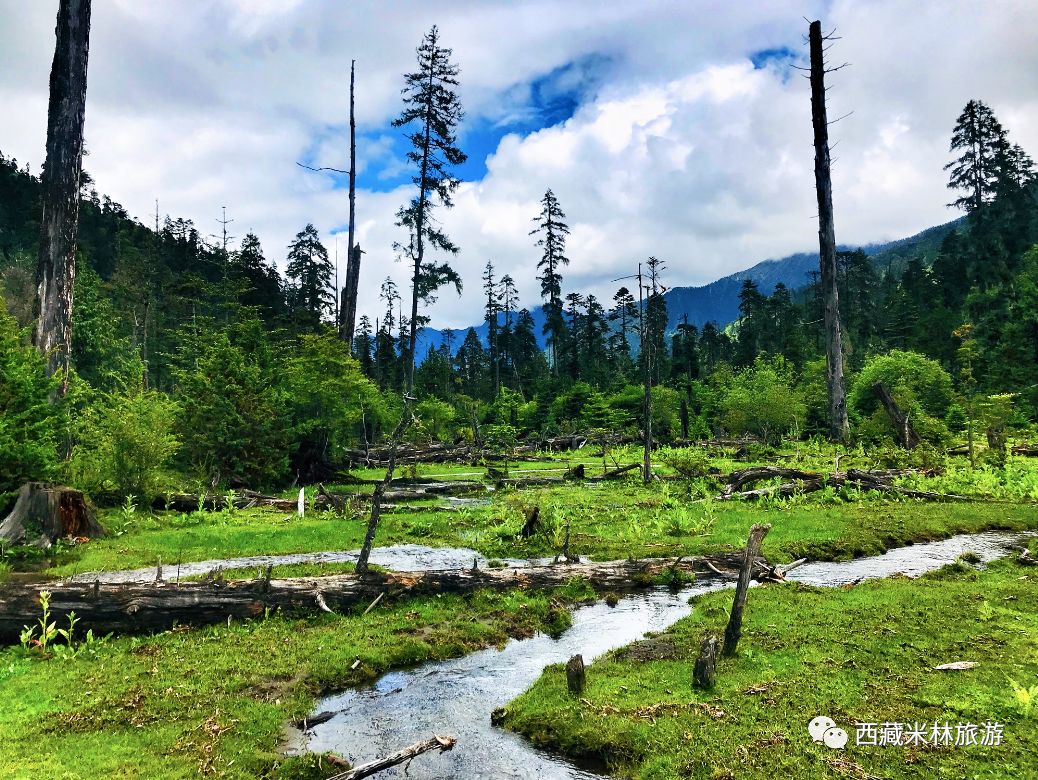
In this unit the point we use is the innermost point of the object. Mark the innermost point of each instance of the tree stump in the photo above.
(45, 513)
(575, 473)
(706, 664)
(575, 675)
(532, 524)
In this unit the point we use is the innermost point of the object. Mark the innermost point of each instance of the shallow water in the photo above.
(402, 557)
(456, 697)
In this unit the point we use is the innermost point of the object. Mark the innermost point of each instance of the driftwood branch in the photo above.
(442, 744)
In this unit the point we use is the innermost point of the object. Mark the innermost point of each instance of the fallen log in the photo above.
(45, 513)
(1027, 450)
(614, 473)
(876, 479)
(442, 744)
(158, 606)
(739, 479)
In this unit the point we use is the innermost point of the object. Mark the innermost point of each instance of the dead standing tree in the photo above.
(839, 428)
(59, 224)
(348, 309)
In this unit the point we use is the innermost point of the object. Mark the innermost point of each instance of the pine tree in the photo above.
(490, 313)
(311, 275)
(258, 282)
(977, 136)
(432, 107)
(362, 346)
(552, 229)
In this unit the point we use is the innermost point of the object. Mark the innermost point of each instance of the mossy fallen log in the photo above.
(141, 608)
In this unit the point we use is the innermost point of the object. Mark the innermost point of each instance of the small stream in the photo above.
(456, 697)
(402, 557)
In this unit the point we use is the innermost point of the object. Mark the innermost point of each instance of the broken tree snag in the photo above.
(706, 664)
(576, 675)
(734, 629)
(532, 524)
(442, 744)
(59, 183)
(902, 425)
(839, 427)
(45, 513)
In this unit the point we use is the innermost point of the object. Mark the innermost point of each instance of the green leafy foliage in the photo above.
(125, 443)
(29, 423)
(762, 399)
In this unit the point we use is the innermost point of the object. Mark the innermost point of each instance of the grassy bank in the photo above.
(864, 654)
(211, 702)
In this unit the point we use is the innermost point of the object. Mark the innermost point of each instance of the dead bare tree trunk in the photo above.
(59, 223)
(348, 309)
(839, 428)
(734, 629)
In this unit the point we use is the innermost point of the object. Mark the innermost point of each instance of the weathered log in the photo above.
(706, 664)
(442, 744)
(158, 606)
(902, 425)
(739, 479)
(45, 513)
(734, 629)
(576, 675)
(1027, 450)
(614, 473)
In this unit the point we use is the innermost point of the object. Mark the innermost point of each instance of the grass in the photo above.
(864, 654)
(606, 520)
(211, 702)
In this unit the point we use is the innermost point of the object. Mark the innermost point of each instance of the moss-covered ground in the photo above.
(860, 655)
(212, 701)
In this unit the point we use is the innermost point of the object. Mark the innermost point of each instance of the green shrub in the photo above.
(761, 399)
(29, 422)
(125, 443)
(919, 385)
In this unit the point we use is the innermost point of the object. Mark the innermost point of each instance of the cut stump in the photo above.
(45, 513)
(706, 664)
(576, 676)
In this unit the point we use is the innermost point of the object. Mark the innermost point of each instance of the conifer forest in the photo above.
(518, 390)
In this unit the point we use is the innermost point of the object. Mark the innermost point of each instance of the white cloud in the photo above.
(682, 149)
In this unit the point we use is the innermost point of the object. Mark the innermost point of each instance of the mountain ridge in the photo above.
(718, 301)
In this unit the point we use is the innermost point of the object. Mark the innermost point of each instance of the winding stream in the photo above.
(456, 697)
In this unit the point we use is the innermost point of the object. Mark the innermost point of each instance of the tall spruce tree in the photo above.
(491, 309)
(310, 272)
(552, 230)
(977, 138)
(433, 111)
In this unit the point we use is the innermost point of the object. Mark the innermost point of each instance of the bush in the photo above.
(125, 443)
(761, 399)
(29, 422)
(233, 420)
(921, 387)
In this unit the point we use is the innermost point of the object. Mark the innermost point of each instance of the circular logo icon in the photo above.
(817, 727)
(835, 738)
